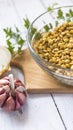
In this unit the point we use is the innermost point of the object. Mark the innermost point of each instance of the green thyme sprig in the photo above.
(50, 8)
(60, 14)
(33, 30)
(48, 27)
(27, 24)
(14, 40)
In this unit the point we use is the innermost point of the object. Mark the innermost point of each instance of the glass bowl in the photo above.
(47, 22)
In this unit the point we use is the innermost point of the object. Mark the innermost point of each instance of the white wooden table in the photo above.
(42, 111)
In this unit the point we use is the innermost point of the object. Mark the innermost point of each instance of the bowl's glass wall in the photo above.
(64, 75)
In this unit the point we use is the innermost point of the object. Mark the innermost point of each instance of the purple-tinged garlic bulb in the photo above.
(12, 93)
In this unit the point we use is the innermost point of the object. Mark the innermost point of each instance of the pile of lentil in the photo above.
(56, 46)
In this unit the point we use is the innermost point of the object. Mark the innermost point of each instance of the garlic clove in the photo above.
(2, 90)
(6, 88)
(18, 83)
(17, 105)
(6, 77)
(2, 99)
(21, 97)
(3, 82)
(20, 89)
(9, 105)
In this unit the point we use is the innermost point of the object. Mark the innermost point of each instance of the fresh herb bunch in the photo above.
(14, 40)
(50, 8)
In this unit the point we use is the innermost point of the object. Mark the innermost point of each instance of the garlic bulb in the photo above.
(12, 93)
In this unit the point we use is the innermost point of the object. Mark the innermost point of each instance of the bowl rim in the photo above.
(35, 54)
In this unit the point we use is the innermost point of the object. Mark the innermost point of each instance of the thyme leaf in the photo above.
(60, 14)
(26, 23)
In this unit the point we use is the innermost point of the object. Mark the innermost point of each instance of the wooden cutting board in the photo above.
(36, 80)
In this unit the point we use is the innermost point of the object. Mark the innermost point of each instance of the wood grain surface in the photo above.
(37, 80)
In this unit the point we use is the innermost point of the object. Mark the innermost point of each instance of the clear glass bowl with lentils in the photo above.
(50, 41)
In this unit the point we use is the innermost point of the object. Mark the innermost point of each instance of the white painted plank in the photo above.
(39, 113)
(28, 8)
(8, 15)
(65, 105)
